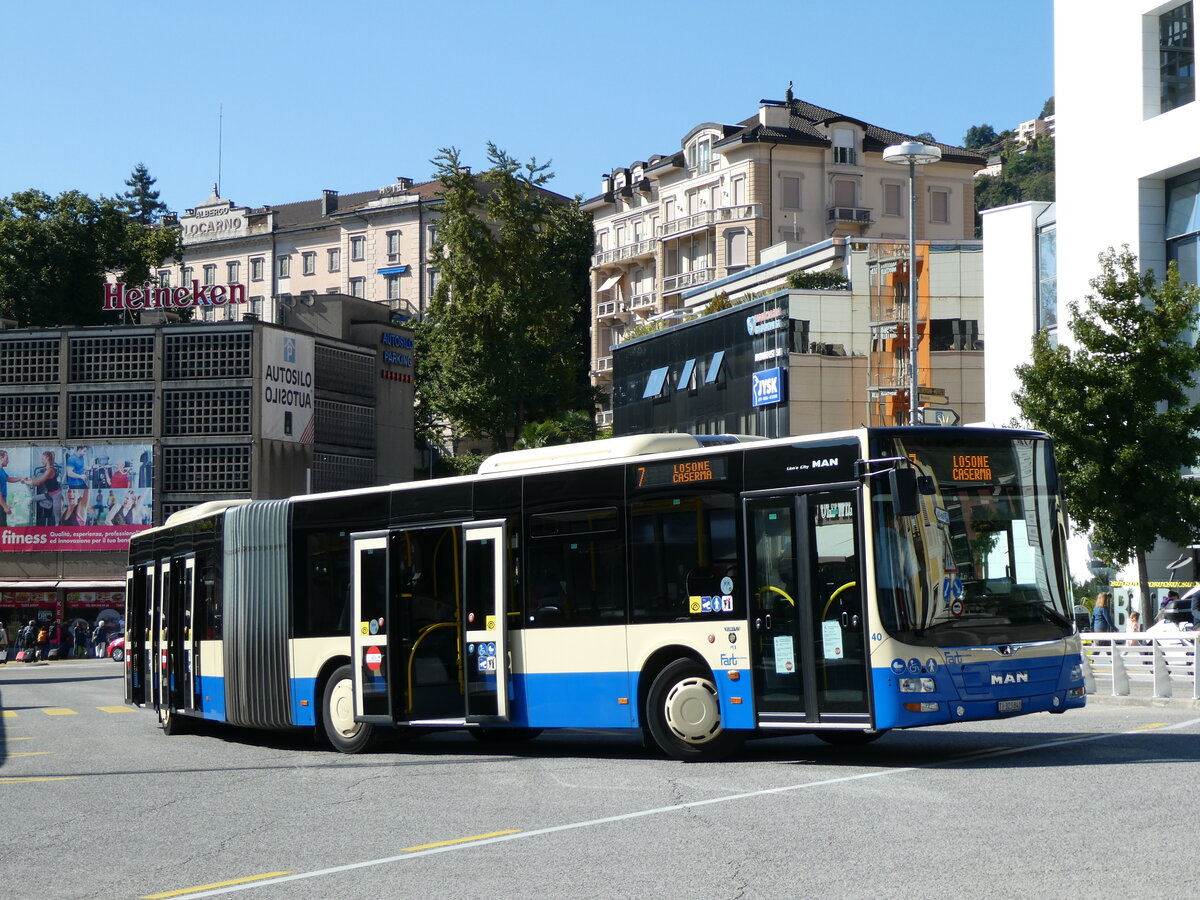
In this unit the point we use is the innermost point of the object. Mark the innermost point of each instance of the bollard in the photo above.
(1089, 679)
(1119, 675)
(1162, 676)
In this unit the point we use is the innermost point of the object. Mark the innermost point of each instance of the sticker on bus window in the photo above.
(726, 585)
(490, 623)
(693, 605)
(364, 628)
(785, 655)
(831, 638)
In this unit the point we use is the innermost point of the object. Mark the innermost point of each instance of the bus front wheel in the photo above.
(337, 714)
(683, 713)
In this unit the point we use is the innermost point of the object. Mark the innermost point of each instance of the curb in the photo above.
(1144, 702)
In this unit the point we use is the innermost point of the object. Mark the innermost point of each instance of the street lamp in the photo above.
(912, 154)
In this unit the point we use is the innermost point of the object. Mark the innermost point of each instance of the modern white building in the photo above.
(793, 174)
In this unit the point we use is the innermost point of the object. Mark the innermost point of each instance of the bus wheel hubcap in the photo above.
(692, 711)
(341, 709)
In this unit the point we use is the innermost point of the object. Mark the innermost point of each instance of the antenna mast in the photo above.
(220, 143)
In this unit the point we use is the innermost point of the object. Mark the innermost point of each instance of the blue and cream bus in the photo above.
(702, 589)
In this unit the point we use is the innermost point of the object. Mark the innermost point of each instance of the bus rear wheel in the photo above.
(337, 714)
(683, 713)
(171, 722)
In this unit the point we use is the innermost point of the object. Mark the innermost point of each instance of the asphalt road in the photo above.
(98, 803)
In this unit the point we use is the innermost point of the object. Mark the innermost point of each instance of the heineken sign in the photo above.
(118, 295)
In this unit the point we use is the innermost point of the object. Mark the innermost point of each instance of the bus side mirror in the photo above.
(903, 485)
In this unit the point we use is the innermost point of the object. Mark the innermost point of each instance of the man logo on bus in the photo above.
(1011, 678)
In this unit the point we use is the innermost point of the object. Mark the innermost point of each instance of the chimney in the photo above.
(329, 202)
(405, 183)
(605, 184)
(774, 114)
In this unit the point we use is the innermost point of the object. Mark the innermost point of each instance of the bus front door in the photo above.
(485, 634)
(370, 626)
(806, 611)
(189, 647)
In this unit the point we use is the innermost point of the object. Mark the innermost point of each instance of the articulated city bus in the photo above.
(702, 589)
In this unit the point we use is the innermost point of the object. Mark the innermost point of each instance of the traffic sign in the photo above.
(932, 395)
(931, 416)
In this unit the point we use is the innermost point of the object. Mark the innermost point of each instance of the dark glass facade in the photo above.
(723, 373)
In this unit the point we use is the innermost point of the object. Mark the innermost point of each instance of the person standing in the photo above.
(5, 481)
(3, 644)
(1101, 615)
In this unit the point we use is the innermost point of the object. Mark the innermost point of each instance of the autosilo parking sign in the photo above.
(767, 387)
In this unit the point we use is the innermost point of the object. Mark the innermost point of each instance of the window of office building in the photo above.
(210, 275)
(393, 246)
(1047, 263)
(358, 248)
(358, 287)
(234, 271)
(283, 266)
(1183, 224)
(256, 269)
(1177, 56)
(335, 259)
(308, 262)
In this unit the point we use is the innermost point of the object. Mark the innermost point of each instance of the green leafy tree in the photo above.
(980, 136)
(571, 427)
(1119, 411)
(503, 342)
(926, 137)
(1027, 174)
(827, 280)
(55, 252)
(1047, 109)
(141, 201)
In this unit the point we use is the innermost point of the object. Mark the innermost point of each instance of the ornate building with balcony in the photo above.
(793, 175)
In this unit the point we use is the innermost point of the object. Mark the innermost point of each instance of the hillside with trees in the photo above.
(1027, 169)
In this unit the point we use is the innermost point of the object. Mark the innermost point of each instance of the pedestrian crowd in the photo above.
(56, 640)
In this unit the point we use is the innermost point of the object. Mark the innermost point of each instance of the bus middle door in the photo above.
(369, 633)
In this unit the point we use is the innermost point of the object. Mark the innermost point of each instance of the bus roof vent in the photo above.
(200, 511)
(600, 451)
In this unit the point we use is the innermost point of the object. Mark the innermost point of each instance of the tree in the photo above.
(571, 427)
(55, 251)
(1118, 409)
(980, 136)
(502, 344)
(926, 137)
(1027, 173)
(141, 202)
(1047, 109)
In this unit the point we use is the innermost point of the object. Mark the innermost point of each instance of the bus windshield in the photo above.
(983, 561)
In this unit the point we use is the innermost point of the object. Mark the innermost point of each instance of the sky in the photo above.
(280, 100)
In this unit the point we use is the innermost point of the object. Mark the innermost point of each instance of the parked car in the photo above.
(1177, 610)
(116, 648)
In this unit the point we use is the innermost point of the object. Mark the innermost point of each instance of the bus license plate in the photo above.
(1008, 706)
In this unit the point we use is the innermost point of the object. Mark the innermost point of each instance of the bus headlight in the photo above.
(917, 686)
(1077, 672)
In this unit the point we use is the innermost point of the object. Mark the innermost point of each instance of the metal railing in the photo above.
(684, 280)
(848, 214)
(1162, 664)
(626, 251)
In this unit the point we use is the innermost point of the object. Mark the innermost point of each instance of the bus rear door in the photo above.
(485, 624)
(806, 610)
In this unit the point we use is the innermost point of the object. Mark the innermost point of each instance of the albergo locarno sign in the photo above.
(118, 295)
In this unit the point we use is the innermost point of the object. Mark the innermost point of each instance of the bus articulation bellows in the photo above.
(702, 589)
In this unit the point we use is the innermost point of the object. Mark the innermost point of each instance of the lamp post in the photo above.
(912, 154)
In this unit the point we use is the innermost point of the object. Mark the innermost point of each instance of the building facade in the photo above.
(373, 245)
(136, 422)
(794, 174)
(785, 361)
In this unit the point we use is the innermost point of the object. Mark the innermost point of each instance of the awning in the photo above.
(608, 285)
(392, 270)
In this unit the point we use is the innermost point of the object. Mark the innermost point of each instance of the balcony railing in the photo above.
(846, 156)
(628, 251)
(604, 364)
(849, 214)
(642, 303)
(709, 217)
(610, 310)
(604, 418)
(675, 283)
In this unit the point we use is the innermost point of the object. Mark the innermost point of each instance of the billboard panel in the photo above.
(287, 402)
(89, 497)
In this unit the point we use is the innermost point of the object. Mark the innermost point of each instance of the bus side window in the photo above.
(683, 558)
(575, 572)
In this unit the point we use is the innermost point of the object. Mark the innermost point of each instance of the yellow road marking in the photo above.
(116, 709)
(465, 840)
(8, 714)
(41, 778)
(26, 753)
(18, 739)
(59, 711)
(1152, 725)
(182, 892)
